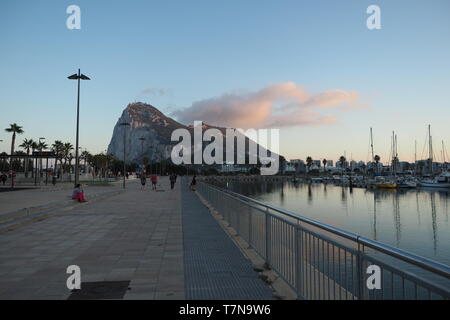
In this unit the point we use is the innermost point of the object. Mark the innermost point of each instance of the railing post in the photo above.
(360, 273)
(297, 261)
(268, 237)
(238, 227)
(250, 240)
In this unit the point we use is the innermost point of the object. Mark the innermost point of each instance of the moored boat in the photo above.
(441, 181)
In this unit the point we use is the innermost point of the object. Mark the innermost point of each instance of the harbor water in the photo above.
(414, 220)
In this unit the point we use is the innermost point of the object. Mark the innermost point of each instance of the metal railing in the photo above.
(320, 261)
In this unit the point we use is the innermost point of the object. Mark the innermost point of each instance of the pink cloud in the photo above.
(279, 105)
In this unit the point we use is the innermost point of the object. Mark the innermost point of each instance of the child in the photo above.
(78, 194)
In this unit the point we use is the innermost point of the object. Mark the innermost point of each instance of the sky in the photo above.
(310, 68)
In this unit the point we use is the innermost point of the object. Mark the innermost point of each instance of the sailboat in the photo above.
(390, 182)
(440, 181)
(407, 183)
(382, 183)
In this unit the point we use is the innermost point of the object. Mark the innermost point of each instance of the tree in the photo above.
(324, 161)
(309, 162)
(57, 148)
(377, 159)
(282, 161)
(85, 155)
(363, 167)
(67, 154)
(15, 129)
(27, 145)
(342, 160)
(41, 146)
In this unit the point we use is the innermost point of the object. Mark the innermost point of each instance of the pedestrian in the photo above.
(78, 194)
(54, 179)
(154, 179)
(4, 177)
(143, 180)
(173, 179)
(193, 183)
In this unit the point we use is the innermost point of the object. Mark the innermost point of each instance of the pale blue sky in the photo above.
(197, 50)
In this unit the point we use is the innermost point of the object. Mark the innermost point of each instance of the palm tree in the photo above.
(41, 146)
(15, 129)
(324, 161)
(309, 162)
(57, 148)
(377, 159)
(27, 144)
(85, 155)
(342, 160)
(66, 153)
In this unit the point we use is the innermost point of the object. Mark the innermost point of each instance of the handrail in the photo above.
(425, 263)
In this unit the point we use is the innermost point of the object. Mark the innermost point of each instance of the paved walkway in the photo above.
(136, 236)
(214, 266)
(37, 196)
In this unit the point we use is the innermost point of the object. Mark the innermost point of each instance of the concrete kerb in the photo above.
(281, 289)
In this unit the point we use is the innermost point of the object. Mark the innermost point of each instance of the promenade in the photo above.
(139, 244)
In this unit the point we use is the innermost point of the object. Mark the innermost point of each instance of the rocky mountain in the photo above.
(151, 124)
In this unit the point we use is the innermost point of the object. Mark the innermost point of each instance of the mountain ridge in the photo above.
(147, 122)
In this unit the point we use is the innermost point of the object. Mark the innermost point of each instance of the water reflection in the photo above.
(416, 220)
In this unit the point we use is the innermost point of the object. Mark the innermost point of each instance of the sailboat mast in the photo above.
(371, 143)
(396, 155)
(415, 157)
(392, 154)
(430, 149)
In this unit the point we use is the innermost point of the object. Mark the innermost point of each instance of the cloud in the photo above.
(156, 91)
(275, 106)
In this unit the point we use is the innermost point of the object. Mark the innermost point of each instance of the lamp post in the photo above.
(40, 160)
(124, 124)
(77, 77)
(3, 161)
(142, 151)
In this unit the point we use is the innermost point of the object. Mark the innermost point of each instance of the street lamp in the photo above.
(124, 124)
(142, 150)
(78, 77)
(40, 160)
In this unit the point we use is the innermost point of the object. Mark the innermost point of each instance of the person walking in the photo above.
(3, 178)
(193, 183)
(143, 181)
(173, 179)
(154, 179)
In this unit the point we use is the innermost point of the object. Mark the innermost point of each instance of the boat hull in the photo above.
(386, 185)
(435, 185)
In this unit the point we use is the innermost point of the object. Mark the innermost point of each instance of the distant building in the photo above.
(317, 163)
(423, 166)
(340, 164)
(299, 164)
(290, 168)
